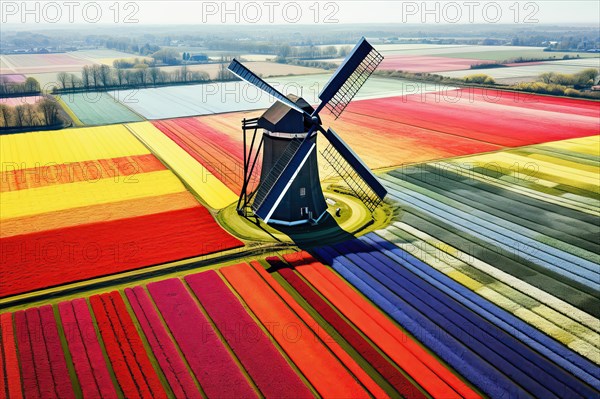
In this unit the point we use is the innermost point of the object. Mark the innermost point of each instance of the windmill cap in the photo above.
(281, 118)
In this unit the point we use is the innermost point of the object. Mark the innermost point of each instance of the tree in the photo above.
(184, 73)
(62, 78)
(120, 76)
(74, 80)
(19, 116)
(344, 51)
(86, 76)
(284, 51)
(49, 110)
(28, 114)
(587, 76)
(31, 85)
(223, 73)
(167, 56)
(546, 77)
(96, 75)
(330, 51)
(6, 115)
(154, 74)
(105, 75)
(142, 74)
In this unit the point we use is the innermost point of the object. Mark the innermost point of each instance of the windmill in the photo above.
(289, 192)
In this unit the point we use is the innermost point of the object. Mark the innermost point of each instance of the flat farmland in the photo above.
(472, 52)
(38, 63)
(197, 177)
(96, 189)
(491, 53)
(203, 99)
(490, 116)
(104, 56)
(427, 64)
(220, 154)
(98, 108)
(517, 71)
(215, 98)
(12, 78)
(420, 127)
(138, 341)
(14, 101)
(379, 143)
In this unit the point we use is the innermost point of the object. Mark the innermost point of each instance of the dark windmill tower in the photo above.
(289, 192)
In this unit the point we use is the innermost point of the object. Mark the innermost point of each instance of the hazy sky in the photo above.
(58, 13)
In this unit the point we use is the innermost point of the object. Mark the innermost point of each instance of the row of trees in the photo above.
(103, 76)
(125, 63)
(44, 113)
(587, 77)
(129, 46)
(30, 86)
(312, 52)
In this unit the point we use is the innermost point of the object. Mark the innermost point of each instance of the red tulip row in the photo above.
(43, 364)
(73, 172)
(11, 380)
(86, 352)
(125, 349)
(237, 332)
(97, 249)
(481, 114)
(217, 152)
(324, 334)
(209, 360)
(162, 346)
(320, 367)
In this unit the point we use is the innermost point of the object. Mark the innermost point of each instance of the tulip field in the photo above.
(98, 108)
(36, 63)
(252, 339)
(476, 252)
(91, 202)
(392, 131)
(428, 63)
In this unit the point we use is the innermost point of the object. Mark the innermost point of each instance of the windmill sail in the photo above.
(273, 189)
(349, 77)
(245, 74)
(354, 172)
